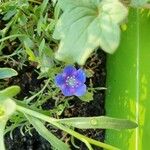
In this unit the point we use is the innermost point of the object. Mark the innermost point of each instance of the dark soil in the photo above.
(27, 80)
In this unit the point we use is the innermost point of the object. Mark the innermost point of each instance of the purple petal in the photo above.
(67, 91)
(81, 77)
(69, 70)
(59, 80)
(81, 90)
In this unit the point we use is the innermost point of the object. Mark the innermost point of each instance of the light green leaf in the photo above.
(43, 6)
(7, 73)
(45, 133)
(87, 97)
(22, 19)
(98, 122)
(29, 45)
(5, 110)
(9, 92)
(128, 83)
(71, 4)
(32, 57)
(42, 46)
(91, 23)
(10, 13)
(2, 131)
(139, 2)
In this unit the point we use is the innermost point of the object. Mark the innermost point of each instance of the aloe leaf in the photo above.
(128, 88)
(99, 122)
(87, 24)
(7, 73)
(45, 133)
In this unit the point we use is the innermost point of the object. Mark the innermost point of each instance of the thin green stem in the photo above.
(88, 145)
(55, 123)
(41, 91)
(33, 1)
(11, 36)
(5, 30)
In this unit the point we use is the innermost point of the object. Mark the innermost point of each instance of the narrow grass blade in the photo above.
(99, 122)
(45, 133)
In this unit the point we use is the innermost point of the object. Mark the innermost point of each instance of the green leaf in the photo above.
(10, 13)
(138, 2)
(7, 73)
(22, 19)
(9, 92)
(99, 122)
(42, 46)
(29, 45)
(5, 110)
(32, 57)
(43, 6)
(91, 23)
(87, 97)
(45, 133)
(2, 131)
(128, 83)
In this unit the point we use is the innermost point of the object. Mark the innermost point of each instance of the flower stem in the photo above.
(55, 123)
(38, 93)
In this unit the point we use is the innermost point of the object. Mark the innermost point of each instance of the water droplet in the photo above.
(94, 122)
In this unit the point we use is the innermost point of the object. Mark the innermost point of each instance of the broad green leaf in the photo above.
(128, 83)
(45, 133)
(7, 108)
(139, 2)
(71, 4)
(91, 23)
(99, 122)
(9, 92)
(7, 73)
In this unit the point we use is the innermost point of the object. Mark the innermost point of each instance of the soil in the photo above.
(27, 80)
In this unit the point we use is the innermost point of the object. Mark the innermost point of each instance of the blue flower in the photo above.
(71, 81)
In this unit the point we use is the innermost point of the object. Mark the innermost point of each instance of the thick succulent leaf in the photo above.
(87, 24)
(99, 122)
(45, 133)
(7, 73)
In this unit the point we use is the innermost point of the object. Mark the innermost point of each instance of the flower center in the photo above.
(71, 81)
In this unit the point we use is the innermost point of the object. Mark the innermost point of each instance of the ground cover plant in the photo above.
(58, 41)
